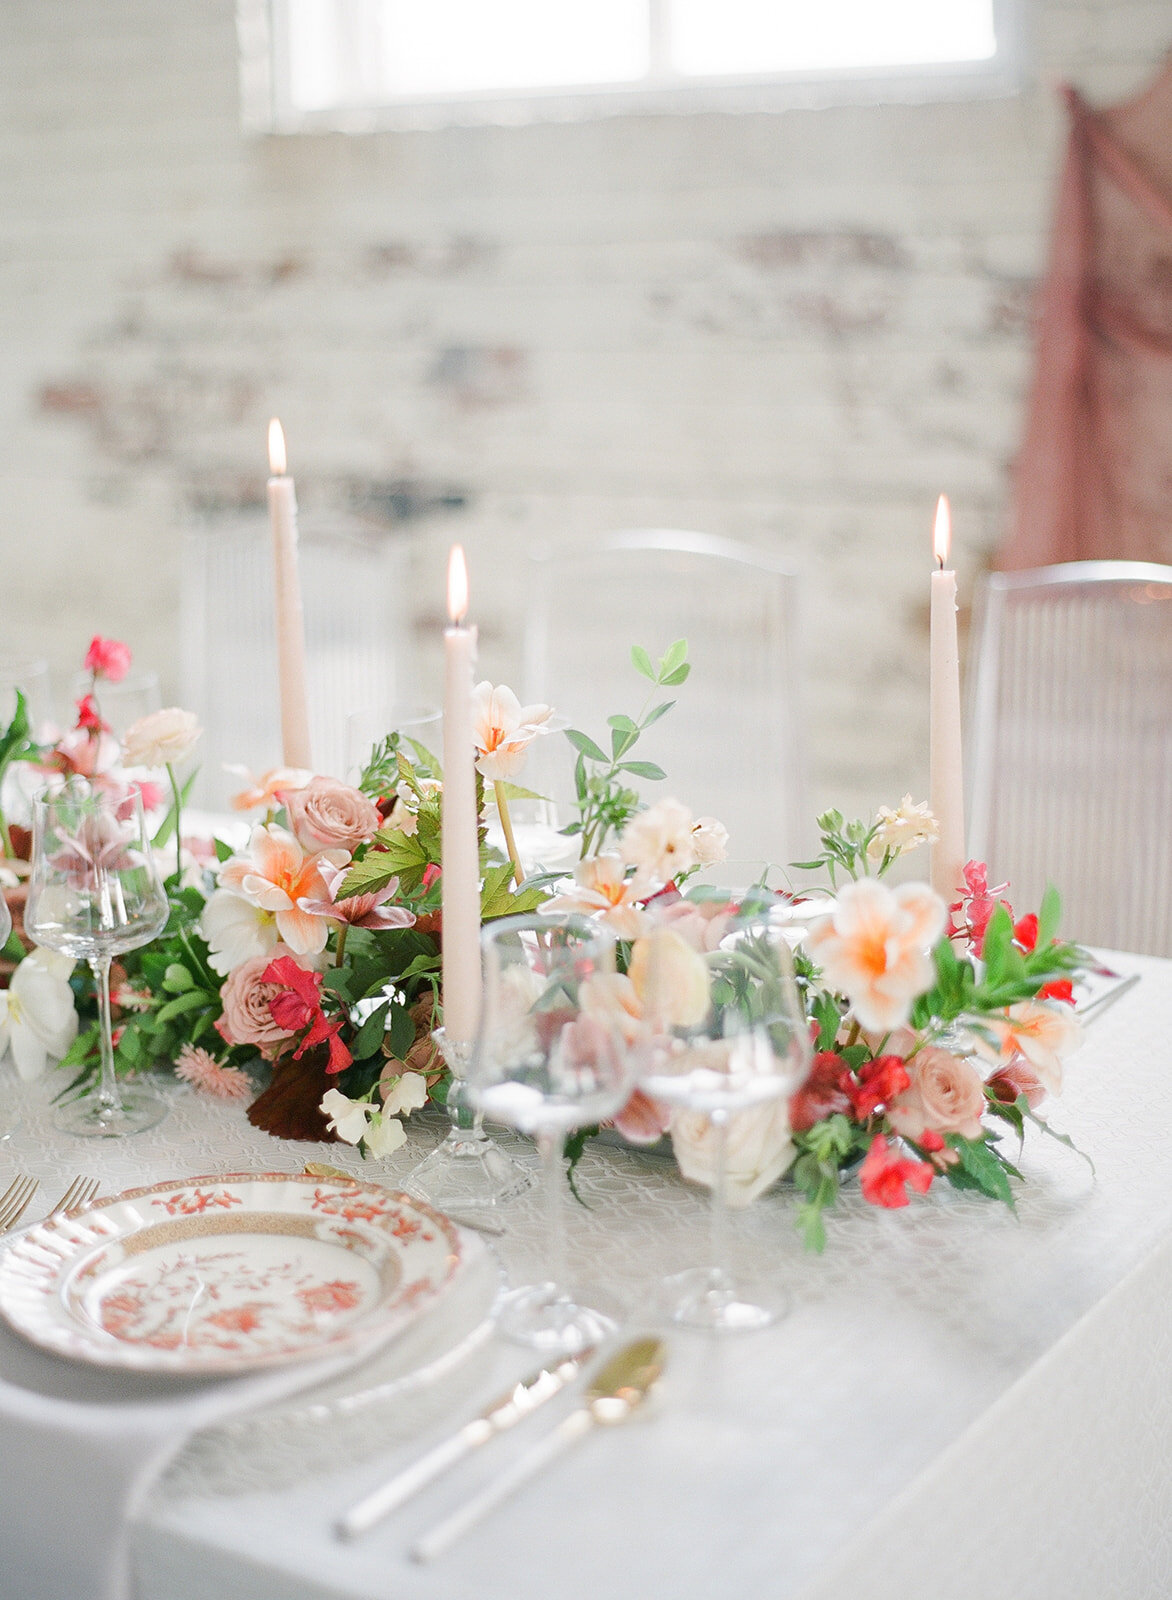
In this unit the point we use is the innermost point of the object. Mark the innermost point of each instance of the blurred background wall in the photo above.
(793, 329)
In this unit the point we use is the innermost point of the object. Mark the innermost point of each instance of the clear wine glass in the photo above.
(95, 893)
(548, 1060)
(731, 1071)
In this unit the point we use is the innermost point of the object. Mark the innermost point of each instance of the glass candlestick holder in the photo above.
(467, 1171)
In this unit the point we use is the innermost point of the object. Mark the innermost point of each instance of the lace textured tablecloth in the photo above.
(964, 1402)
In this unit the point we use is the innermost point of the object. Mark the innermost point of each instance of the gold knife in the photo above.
(504, 1412)
(619, 1387)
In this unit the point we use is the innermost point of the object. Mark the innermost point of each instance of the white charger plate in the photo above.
(227, 1273)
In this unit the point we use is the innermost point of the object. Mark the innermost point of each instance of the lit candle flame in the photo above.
(277, 464)
(942, 538)
(457, 585)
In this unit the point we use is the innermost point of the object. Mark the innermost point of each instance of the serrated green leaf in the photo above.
(641, 661)
(586, 745)
(983, 1166)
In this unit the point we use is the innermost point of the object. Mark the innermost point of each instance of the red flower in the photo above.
(824, 1092)
(299, 1006)
(1060, 989)
(885, 1175)
(1026, 932)
(879, 1081)
(430, 873)
(88, 717)
(974, 908)
(108, 658)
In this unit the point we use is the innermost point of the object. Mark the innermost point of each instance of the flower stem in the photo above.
(502, 806)
(178, 830)
(339, 955)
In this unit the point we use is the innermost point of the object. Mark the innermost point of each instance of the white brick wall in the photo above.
(791, 329)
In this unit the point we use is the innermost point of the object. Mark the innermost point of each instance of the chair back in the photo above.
(1070, 745)
(730, 748)
(354, 593)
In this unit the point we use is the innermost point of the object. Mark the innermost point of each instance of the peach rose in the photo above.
(245, 998)
(328, 815)
(945, 1094)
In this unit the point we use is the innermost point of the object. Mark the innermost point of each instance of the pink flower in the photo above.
(875, 948)
(643, 1120)
(504, 729)
(944, 1095)
(247, 1017)
(297, 1005)
(88, 716)
(703, 923)
(201, 1069)
(885, 1175)
(971, 913)
(824, 1092)
(275, 876)
(1015, 1079)
(328, 815)
(107, 658)
(360, 910)
(152, 794)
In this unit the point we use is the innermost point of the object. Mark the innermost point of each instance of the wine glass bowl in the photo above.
(95, 893)
(548, 1060)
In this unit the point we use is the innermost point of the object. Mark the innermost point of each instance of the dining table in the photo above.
(964, 1400)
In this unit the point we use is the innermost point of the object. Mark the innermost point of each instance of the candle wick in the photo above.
(940, 562)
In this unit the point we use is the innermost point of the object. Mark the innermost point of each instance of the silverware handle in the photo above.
(396, 1491)
(445, 1533)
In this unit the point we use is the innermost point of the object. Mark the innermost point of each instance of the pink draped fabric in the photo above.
(1094, 478)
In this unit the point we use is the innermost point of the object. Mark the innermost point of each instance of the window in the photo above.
(339, 63)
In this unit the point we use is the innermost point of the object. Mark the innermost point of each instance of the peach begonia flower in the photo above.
(274, 875)
(504, 729)
(671, 979)
(602, 889)
(875, 948)
(1042, 1033)
(262, 792)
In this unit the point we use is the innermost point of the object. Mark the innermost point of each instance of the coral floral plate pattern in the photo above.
(226, 1273)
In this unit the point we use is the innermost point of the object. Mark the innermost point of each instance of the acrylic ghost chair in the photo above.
(731, 747)
(1069, 751)
(354, 583)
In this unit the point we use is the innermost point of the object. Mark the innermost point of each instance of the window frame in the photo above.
(266, 107)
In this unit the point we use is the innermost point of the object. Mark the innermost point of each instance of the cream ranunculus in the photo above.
(661, 841)
(504, 729)
(37, 1015)
(875, 948)
(162, 738)
(670, 979)
(758, 1151)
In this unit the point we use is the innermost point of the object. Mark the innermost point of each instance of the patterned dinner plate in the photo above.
(226, 1273)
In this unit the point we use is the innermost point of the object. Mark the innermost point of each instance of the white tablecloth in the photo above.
(964, 1402)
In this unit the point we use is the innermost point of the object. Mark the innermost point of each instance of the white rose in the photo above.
(660, 841)
(162, 738)
(758, 1151)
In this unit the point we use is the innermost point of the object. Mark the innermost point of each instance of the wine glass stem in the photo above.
(107, 1083)
(550, 1147)
(719, 1246)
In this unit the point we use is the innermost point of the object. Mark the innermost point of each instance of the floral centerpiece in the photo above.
(300, 973)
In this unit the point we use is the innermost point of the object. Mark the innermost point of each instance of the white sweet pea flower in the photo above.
(385, 1134)
(37, 1014)
(405, 1095)
(346, 1117)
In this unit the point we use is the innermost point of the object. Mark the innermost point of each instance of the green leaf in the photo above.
(495, 899)
(623, 724)
(177, 979)
(643, 769)
(167, 826)
(223, 851)
(659, 711)
(641, 661)
(370, 1034)
(584, 743)
(1049, 915)
(673, 657)
(191, 1001)
(621, 742)
(981, 1163)
(401, 1033)
(339, 981)
(680, 675)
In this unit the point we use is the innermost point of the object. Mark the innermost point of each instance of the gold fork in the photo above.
(15, 1199)
(80, 1192)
